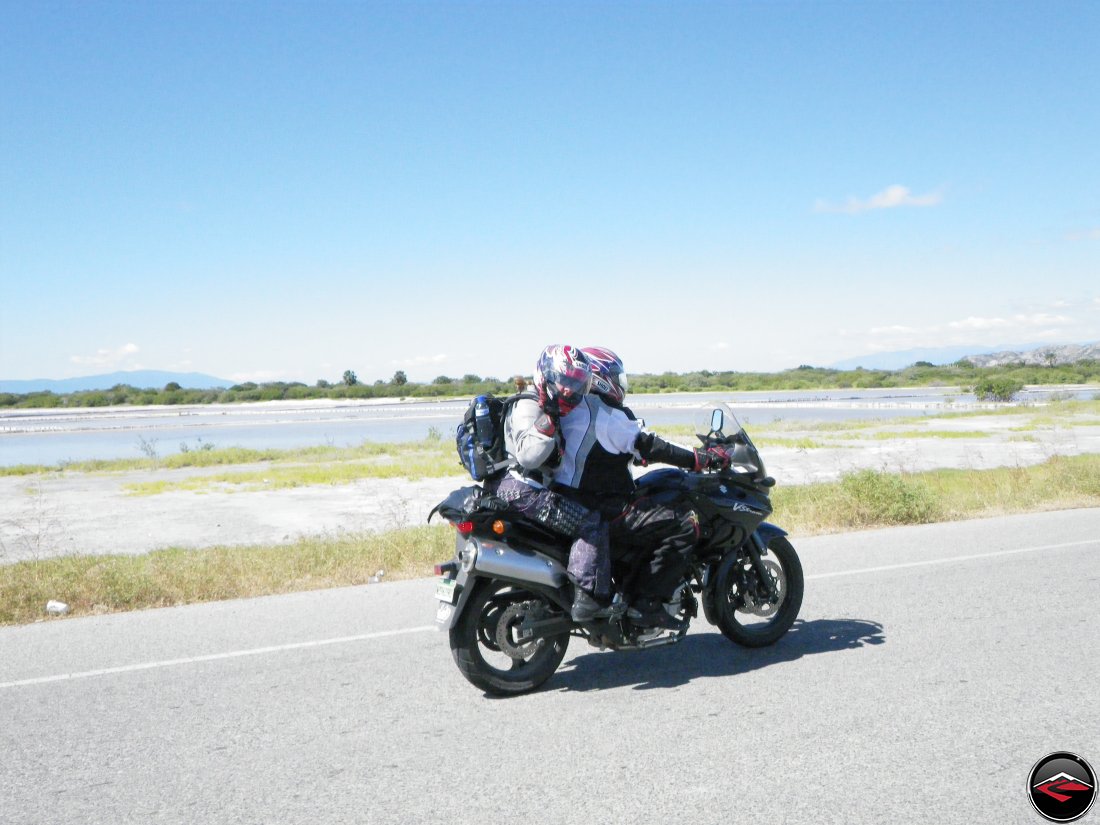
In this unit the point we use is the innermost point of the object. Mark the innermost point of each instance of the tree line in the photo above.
(995, 383)
(921, 374)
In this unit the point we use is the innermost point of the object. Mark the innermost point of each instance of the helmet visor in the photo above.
(570, 383)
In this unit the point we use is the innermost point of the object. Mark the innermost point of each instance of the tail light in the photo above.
(449, 569)
(465, 527)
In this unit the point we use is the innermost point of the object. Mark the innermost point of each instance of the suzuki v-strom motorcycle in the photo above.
(505, 598)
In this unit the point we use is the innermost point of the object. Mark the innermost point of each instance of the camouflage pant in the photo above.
(590, 555)
(669, 532)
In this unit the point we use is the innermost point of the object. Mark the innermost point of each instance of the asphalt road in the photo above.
(931, 668)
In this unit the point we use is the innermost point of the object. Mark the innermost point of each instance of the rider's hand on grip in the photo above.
(712, 458)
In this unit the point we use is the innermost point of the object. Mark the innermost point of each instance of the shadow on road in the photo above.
(703, 655)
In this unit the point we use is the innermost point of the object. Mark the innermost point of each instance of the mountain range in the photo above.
(993, 357)
(142, 379)
(1043, 356)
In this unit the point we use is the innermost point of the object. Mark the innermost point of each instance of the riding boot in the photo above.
(587, 607)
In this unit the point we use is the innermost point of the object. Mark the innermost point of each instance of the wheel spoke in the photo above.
(755, 611)
(488, 650)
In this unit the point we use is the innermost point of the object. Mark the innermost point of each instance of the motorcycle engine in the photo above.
(682, 604)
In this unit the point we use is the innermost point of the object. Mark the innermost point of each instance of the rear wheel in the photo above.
(745, 613)
(487, 647)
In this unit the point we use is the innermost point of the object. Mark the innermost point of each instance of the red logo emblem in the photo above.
(1062, 787)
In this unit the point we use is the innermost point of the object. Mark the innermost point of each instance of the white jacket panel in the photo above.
(524, 443)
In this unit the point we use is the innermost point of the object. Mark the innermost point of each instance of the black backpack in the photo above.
(480, 437)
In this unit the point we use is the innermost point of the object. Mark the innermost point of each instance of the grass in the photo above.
(800, 443)
(275, 477)
(863, 499)
(830, 434)
(887, 435)
(871, 498)
(104, 584)
(431, 457)
(438, 449)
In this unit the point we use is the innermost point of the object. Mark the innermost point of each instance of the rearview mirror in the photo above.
(717, 419)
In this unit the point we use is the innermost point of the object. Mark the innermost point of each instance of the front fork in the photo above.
(756, 548)
(756, 551)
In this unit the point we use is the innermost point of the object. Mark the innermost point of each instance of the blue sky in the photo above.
(288, 190)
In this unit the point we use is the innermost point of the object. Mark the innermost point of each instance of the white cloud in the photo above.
(973, 323)
(1042, 319)
(1039, 319)
(421, 360)
(892, 330)
(719, 346)
(259, 376)
(889, 198)
(106, 357)
(973, 330)
(1087, 235)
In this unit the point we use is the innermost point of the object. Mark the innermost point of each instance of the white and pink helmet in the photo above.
(608, 375)
(562, 377)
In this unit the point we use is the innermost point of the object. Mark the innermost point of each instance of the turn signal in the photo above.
(498, 527)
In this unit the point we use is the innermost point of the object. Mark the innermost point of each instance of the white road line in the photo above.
(214, 657)
(930, 562)
(87, 674)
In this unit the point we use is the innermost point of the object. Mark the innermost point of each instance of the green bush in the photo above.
(96, 399)
(1000, 388)
(875, 497)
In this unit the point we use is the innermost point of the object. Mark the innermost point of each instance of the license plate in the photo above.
(445, 590)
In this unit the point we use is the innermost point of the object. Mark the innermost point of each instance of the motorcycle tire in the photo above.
(762, 634)
(475, 642)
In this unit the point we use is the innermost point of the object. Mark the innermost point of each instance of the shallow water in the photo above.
(52, 436)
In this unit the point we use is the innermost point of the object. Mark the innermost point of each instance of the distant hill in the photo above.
(993, 357)
(1041, 357)
(142, 379)
(906, 358)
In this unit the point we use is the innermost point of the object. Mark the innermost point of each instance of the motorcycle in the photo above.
(505, 597)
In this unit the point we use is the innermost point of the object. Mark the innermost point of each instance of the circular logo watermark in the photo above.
(1062, 787)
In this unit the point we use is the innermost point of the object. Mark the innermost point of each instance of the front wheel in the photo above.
(487, 646)
(746, 616)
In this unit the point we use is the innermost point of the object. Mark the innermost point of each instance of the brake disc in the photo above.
(762, 607)
(509, 620)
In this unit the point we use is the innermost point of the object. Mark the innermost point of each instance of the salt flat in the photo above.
(58, 513)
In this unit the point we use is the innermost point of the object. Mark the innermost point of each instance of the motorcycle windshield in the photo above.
(716, 422)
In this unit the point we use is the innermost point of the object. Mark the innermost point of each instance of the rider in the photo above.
(533, 441)
(602, 438)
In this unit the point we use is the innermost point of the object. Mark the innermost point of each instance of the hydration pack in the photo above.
(480, 437)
